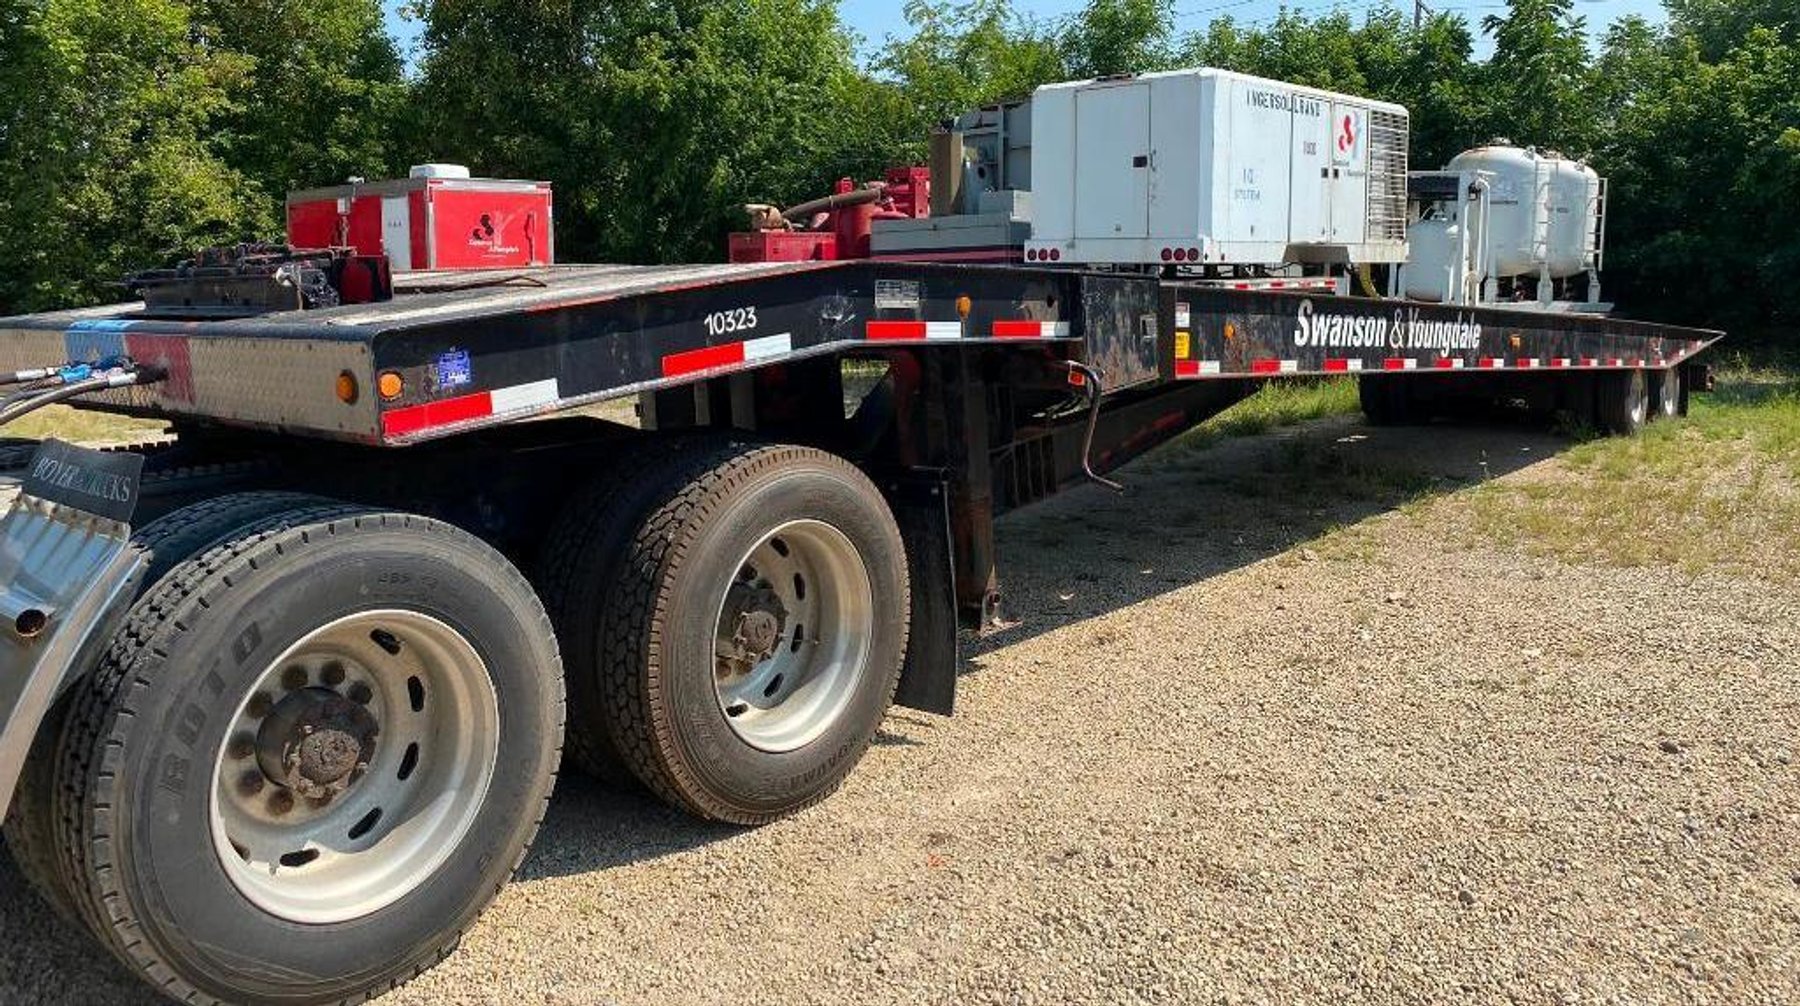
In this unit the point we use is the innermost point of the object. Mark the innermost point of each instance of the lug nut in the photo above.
(333, 674)
(260, 705)
(360, 694)
(294, 678)
(242, 746)
(250, 783)
(280, 802)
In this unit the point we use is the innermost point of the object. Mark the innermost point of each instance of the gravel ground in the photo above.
(1228, 754)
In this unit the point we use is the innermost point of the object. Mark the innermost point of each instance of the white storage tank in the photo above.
(1205, 167)
(1544, 211)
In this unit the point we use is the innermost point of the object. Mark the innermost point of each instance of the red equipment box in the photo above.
(440, 218)
(784, 246)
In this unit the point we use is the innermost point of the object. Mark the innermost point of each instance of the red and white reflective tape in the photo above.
(1031, 330)
(914, 331)
(1529, 363)
(1343, 366)
(1198, 368)
(1589, 361)
(519, 398)
(1561, 363)
(1274, 366)
(730, 354)
(1452, 363)
(1491, 363)
(1396, 363)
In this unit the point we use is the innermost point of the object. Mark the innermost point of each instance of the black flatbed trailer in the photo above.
(805, 481)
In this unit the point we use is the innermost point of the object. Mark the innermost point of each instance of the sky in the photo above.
(875, 20)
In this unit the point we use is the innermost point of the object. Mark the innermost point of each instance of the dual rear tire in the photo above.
(319, 747)
(735, 626)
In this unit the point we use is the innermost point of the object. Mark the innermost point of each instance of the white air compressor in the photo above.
(1506, 225)
(1206, 169)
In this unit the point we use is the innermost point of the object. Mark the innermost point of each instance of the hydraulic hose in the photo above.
(22, 406)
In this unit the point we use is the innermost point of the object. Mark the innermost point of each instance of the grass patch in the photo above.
(82, 427)
(1717, 491)
(1277, 404)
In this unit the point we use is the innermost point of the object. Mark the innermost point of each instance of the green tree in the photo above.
(964, 55)
(656, 120)
(105, 162)
(1111, 37)
(1719, 26)
(1534, 82)
(323, 95)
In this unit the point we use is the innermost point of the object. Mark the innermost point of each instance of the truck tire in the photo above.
(1387, 401)
(225, 851)
(168, 541)
(1665, 393)
(756, 638)
(576, 572)
(1622, 402)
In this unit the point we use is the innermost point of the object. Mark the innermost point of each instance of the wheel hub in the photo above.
(316, 743)
(792, 638)
(758, 621)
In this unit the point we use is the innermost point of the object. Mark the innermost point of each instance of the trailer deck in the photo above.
(453, 352)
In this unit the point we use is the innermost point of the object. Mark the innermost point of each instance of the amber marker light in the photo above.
(347, 391)
(390, 385)
(963, 306)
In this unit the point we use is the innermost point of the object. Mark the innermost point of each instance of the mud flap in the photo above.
(928, 678)
(67, 576)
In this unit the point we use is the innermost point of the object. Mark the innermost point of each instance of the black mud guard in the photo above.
(933, 655)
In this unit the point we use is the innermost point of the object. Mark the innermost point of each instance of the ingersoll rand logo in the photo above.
(1405, 329)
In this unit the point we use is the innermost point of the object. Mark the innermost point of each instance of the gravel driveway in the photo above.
(1228, 754)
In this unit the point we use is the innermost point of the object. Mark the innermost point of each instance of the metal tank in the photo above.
(1545, 211)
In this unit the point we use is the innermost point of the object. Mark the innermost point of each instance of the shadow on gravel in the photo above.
(592, 826)
(1195, 511)
(1198, 510)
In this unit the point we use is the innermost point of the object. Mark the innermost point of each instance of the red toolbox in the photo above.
(440, 218)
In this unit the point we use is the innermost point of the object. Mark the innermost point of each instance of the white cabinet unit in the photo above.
(1215, 168)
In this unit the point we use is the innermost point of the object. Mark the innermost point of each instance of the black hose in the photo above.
(26, 376)
(835, 201)
(21, 406)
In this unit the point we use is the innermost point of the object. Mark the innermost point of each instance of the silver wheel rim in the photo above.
(402, 706)
(791, 641)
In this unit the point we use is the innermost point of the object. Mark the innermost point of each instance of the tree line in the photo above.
(134, 130)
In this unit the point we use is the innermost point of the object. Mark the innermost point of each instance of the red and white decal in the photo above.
(1397, 363)
(730, 354)
(914, 331)
(1529, 363)
(1198, 368)
(1491, 363)
(1031, 330)
(1561, 363)
(1274, 366)
(1343, 366)
(466, 408)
